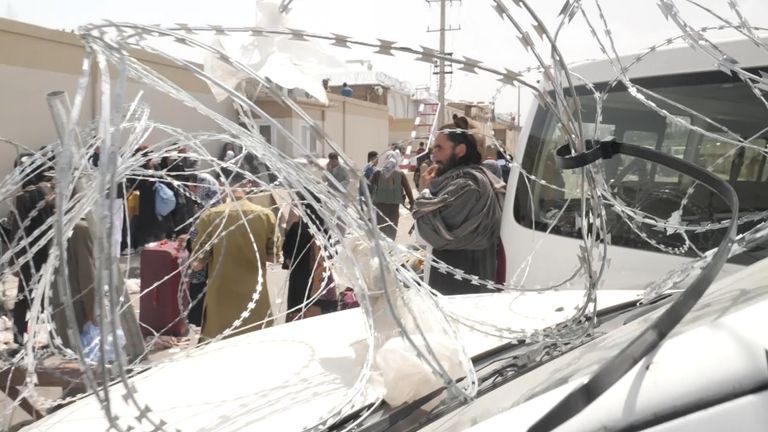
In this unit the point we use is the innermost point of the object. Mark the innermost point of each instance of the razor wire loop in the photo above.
(652, 336)
(112, 48)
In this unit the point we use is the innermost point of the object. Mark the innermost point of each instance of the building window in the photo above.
(265, 130)
(308, 139)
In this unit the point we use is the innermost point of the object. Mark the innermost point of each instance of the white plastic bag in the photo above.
(90, 338)
(401, 376)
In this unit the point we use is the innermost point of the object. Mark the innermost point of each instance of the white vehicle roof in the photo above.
(675, 60)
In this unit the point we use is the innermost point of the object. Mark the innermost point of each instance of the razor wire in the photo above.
(347, 217)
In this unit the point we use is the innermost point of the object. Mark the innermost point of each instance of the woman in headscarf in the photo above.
(387, 188)
(148, 228)
(227, 155)
(228, 152)
(254, 165)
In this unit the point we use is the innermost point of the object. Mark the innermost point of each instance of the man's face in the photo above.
(333, 163)
(445, 154)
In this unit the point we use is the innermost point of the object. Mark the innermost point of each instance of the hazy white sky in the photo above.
(635, 24)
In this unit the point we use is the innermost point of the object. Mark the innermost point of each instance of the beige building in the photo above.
(37, 60)
(355, 126)
(400, 129)
(379, 88)
(505, 132)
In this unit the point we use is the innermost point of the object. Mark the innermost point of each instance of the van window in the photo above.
(647, 187)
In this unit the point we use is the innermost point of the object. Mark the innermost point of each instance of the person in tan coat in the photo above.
(235, 239)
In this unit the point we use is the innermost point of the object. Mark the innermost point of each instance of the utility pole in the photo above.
(441, 72)
(441, 66)
(517, 119)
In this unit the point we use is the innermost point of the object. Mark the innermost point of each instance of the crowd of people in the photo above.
(165, 199)
(456, 207)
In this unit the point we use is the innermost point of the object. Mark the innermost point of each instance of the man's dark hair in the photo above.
(463, 136)
(333, 156)
(310, 208)
(250, 160)
(43, 171)
(236, 178)
(344, 85)
(372, 155)
(421, 144)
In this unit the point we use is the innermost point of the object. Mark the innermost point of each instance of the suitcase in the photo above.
(162, 304)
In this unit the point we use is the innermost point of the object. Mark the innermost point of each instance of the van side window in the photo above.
(726, 109)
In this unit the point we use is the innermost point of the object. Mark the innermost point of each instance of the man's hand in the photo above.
(427, 177)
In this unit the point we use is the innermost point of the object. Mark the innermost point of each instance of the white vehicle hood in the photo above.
(288, 377)
(718, 353)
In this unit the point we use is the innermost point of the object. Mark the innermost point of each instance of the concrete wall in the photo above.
(508, 136)
(37, 60)
(355, 126)
(167, 110)
(34, 61)
(365, 92)
(512, 138)
(400, 129)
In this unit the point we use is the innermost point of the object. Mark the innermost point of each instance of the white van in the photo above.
(687, 77)
(711, 374)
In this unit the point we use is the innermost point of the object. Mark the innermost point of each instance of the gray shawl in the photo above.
(463, 211)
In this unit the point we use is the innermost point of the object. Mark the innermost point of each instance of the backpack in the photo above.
(505, 170)
(165, 200)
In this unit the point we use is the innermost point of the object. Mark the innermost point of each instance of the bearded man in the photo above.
(458, 211)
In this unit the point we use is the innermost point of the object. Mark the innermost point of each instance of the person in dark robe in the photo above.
(119, 221)
(301, 258)
(458, 211)
(254, 165)
(148, 227)
(34, 208)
